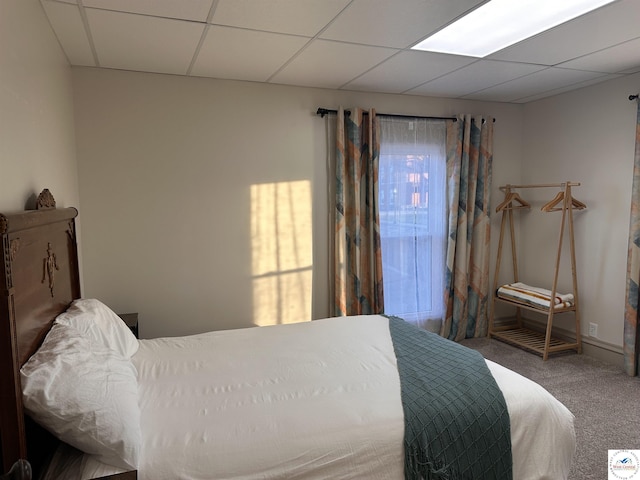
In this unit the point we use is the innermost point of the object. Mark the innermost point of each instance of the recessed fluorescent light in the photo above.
(500, 23)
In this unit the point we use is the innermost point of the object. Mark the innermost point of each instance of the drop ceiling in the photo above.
(361, 45)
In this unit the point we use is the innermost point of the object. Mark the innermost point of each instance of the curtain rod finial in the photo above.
(633, 97)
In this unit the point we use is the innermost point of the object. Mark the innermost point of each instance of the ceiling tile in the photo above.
(330, 64)
(296, 17)
(534, 84)
(478, 76)
(67, 23)
(621, 58)
(197, 10)
(394, 24)
(406, 70)
(569, 88)
(137, 42)
(244, 55)
(355, 44)
(631, 71)
(599, 29)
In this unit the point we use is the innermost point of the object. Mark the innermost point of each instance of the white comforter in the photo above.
(314, 400)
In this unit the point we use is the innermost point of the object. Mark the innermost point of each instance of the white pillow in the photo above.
(86, 395)
(94, 319)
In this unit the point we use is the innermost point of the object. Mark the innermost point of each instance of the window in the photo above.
(412, 203)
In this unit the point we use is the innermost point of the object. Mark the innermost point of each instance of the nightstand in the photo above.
(131, 319)
(132, 475)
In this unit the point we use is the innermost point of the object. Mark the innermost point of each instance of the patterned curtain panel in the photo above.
(469, 159)
(631, 333)
(358, 267)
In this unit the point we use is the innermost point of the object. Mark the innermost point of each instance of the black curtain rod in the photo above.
(323, 111)
(633, 97)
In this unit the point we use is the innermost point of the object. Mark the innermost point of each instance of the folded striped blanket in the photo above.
(534, 296)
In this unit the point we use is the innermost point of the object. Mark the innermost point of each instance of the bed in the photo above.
(321, 399)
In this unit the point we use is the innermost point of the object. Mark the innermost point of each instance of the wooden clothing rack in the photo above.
(515, 332)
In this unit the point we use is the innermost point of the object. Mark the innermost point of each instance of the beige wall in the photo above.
(204, 201)
(37, 142)
(586, 136)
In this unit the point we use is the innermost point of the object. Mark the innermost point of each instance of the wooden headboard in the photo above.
(39, 278)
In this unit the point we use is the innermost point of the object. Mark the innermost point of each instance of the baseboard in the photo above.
(592, 347)
(603, 351)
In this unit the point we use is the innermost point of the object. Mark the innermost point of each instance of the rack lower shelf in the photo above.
(534, 308)
(532, 340)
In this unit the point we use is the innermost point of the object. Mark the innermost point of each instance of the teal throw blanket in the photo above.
(456, 419)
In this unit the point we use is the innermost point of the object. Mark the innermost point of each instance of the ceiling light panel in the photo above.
(500, 23)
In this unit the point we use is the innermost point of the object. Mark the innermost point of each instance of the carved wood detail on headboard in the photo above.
(49, 267)
(39, 278)
(45, 200)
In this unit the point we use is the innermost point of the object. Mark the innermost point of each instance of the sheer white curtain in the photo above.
(412, 204)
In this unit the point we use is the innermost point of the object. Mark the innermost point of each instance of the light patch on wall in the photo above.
(281, 236)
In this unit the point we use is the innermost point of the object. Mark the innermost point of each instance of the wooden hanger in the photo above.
(577, 204)
(551, 206)
(509, 198)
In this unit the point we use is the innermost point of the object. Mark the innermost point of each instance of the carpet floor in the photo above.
(604, 400)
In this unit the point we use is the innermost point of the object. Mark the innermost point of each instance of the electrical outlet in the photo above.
(593, 329)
